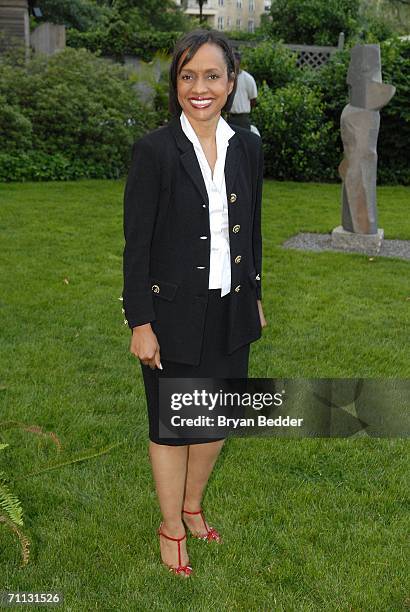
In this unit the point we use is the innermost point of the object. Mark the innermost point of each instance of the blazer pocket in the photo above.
(163, 289)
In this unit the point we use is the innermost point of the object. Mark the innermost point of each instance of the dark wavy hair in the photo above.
(192, 41)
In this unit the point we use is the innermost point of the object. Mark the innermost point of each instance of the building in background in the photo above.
(14, 24)
(228, 14)
(46, 38)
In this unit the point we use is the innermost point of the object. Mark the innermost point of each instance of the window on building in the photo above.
(228, 22)
(239, 4)
(251, 25)
(251, 6)
(238, 23)
(220, 23)
(220, 2)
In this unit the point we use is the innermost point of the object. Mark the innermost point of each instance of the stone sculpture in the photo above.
(360, 121)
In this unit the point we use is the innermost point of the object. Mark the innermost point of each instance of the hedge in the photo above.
(72, 115)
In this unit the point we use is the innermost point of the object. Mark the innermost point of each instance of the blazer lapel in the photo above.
(188, 157)
(191, 164)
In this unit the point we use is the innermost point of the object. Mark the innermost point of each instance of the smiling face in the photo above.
(203, 85)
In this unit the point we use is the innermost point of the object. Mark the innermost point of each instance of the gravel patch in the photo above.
(308, 241)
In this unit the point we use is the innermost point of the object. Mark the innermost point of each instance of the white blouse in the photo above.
(220, 259)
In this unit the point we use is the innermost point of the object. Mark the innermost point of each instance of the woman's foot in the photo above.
(173, 548)
(198, 527)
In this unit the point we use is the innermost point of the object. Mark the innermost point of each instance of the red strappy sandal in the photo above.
(180, 568)
(211, 533)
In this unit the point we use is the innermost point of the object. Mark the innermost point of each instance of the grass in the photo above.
(309, 524)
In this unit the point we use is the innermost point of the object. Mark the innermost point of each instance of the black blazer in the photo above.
(167, 240)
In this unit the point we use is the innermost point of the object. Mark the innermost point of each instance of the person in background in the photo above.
(245, 96)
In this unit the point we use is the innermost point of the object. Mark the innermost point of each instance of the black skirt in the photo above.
(214, 362)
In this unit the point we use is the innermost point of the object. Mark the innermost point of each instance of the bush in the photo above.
(68, 116)
(15, 128)
(121, 39)
(375, 29)
(158, 15)
(243, 35)
(328, 85)
(88, 15)
(271, 62)
(38, 166)
(80, 14)
(297, 138)
(313, 22)
(160, 102)
(319, 22)
(330, 80)
(394, 135)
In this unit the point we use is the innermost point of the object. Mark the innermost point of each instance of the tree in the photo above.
(163, 15)
(79, 14)
(394, 12)
(86, 15)
(313, 21)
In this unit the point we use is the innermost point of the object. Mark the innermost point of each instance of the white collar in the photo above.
(223, 131)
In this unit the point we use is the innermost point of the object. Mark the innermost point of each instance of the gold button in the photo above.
(238, 259)
(236, 229)
(155, 288)
(237, 288)
(232, 197)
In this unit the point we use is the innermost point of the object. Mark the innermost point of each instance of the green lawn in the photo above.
(313, 524)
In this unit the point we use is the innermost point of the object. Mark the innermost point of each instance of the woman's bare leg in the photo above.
(201, 461)
(169, 467)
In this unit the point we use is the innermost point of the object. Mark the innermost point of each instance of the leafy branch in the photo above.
(11, 511)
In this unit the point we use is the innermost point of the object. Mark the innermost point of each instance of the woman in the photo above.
(192, 266)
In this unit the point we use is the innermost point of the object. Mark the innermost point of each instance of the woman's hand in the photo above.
(144, 345)
(261, 315)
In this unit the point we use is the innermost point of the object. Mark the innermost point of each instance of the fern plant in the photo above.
(11, 513)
